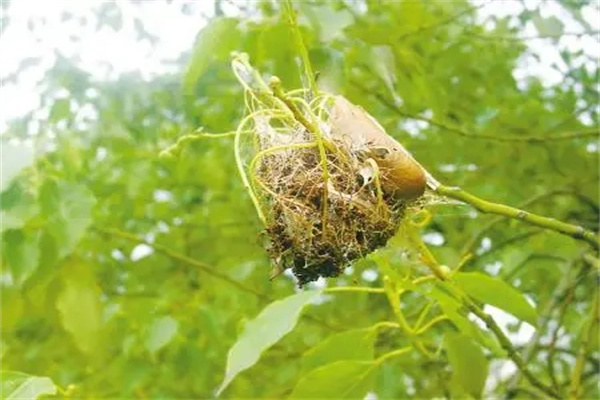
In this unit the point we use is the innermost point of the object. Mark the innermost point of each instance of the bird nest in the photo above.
(326, 180)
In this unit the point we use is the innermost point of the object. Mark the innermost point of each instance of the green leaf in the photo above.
(61, 109)
(273, 323)
(68, 208)
(550, 26)
(79, 306)
(214, 43)
(160, 333)
(453, 310)
(20, 252)
(356, 344)
(496, 292)
(384, 64)
(20, 386)
(17, 216)
(338, 380)
(469, 365)
(327, 22)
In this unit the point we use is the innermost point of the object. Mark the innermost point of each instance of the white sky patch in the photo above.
(162, 196)
(141, 251)
(320, 283)
(118, 255)
(522, 336)
(369, 275)
(486, 244)
(105, 53)
(493, 268)
(434, 238)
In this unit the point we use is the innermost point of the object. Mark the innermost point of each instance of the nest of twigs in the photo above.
(325, 193)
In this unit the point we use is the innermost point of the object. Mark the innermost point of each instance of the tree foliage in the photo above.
(128, 275)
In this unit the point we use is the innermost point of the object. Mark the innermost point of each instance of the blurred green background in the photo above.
(127, 276)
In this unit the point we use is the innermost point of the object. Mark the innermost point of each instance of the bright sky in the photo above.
(106, 53)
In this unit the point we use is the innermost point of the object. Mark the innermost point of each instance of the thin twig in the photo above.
(590, 132)
(565, 285)
(469, 247)
(430, 261)
(203, 267)
(485, 36)
(508, 347)
(586, 333)
(574, 231)
(353, 289)
(315, 130)
(308, 76)
(182, 258)
(441, 23)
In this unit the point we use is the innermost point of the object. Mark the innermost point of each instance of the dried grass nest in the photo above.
(330, 185)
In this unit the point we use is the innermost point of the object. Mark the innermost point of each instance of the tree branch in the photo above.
(574, 231)
(184, 259)
(508, 347)
(592, 318)
(308, 77)
(469, 247)
(202, 266)
(591, 132)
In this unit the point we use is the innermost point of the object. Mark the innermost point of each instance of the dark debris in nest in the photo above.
(326, 180)
(314, 242)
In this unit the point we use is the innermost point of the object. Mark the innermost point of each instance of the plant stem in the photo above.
(469, 304)
(574, 231)
(392, 354)
(174, 255)
(431, 323)
(184, 259)
(308, 76)
(184, 140)
(354, 289)
(592, 318)
(315, 130)
(508, 347)
(558, 300)
(385, 324)
(393, 298)
(501, 138)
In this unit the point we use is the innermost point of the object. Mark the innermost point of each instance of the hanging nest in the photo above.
(329, 184)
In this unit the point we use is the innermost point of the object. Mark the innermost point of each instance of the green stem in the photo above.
(506, 344)
(308, 75)
(385, 324)
(354, 289)
(184, 259)
(242, 172)
(174, 255)
(574, 231)
(394, 299)
(392, 354)
(592, 261)
(508, 347)
(175, 149)
(586, 336)
(423, 313)
(431, 323)
(313, 128)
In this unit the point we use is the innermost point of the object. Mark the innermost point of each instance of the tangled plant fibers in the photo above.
(330, 185)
